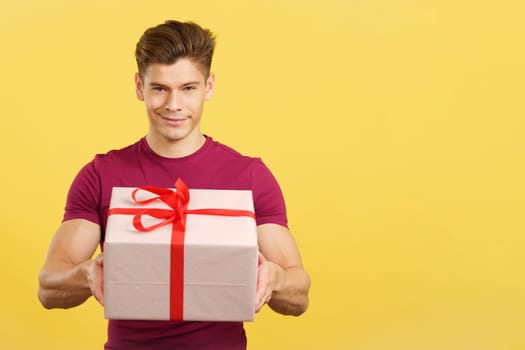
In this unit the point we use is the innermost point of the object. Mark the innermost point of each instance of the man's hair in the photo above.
(172, 40)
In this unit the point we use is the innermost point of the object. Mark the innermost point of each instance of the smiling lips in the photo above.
(174, 121)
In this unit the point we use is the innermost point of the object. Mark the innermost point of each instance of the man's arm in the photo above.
(69, 276)
(282, 281)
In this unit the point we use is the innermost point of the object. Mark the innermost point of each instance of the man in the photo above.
(174, 81)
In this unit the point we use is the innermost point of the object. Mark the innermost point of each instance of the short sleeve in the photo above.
(83, 199)
(268, 198)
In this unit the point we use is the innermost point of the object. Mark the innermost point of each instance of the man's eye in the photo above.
(158, 88)
(190, 88)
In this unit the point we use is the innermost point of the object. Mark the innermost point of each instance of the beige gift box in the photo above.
(220, 261)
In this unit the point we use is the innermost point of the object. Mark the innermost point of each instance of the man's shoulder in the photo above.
(125, 154)
(228, 153)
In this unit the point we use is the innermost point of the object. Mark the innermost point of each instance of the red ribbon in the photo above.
(178, 202)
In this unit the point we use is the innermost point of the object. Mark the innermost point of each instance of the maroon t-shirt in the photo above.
(213, 166)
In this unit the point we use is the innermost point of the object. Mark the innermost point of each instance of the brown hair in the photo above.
(168, 42)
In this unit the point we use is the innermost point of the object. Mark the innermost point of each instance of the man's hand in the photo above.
(95, 277)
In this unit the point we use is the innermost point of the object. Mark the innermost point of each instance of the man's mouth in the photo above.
(174, 121)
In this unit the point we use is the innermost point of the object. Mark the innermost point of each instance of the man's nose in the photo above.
(173, 102)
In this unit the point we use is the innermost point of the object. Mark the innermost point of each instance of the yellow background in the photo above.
(396, 129)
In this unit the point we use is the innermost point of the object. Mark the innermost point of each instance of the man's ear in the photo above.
(210, 85)
(139, 87)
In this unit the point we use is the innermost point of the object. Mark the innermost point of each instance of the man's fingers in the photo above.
(96, 278)
(264, 284)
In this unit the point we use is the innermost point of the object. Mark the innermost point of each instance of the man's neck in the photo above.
(175, 149)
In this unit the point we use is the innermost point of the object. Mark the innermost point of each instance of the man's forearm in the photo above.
(290, 294)
(62, 285)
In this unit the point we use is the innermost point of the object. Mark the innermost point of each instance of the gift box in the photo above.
(179, 254)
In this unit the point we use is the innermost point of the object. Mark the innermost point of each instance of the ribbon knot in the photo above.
(177, 200)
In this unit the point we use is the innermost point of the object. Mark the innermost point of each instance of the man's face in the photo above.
(174, 96)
